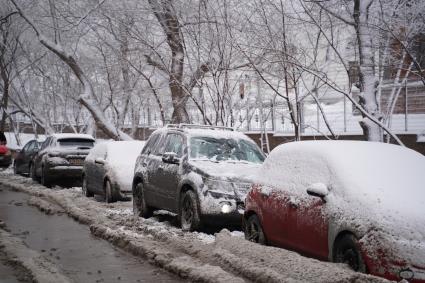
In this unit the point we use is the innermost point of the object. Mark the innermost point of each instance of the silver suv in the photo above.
(197, 172)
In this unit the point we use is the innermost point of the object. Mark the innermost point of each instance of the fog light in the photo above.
(406, 274)
(226, 208)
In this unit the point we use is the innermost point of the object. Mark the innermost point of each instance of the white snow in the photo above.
(121, 157)
(70, 136)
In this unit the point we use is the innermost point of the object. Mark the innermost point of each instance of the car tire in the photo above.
(189, 216)
(254, 231)
(15, 169)
(32, 172)
(85, 189)
(346, 250)
(109, 196)
(140, 208)
(45, 181)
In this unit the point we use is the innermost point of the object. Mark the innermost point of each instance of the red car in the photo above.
(5, 156)
(360, 203)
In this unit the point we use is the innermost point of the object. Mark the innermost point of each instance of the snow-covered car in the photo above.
(5, 156)
(23, 157)
(197, 172)
(60, 159)
(360, 203)
(109, 169)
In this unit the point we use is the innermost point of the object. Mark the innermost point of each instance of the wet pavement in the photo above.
(79, 255)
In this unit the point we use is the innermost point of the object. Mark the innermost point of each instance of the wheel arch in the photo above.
(337, 237)
(184, 187)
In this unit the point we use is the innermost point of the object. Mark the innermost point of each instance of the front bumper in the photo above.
(394, 258)
(221, 210)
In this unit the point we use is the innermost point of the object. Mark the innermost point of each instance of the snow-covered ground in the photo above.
(222, 257)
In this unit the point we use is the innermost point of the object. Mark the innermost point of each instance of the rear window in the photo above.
(74, 142)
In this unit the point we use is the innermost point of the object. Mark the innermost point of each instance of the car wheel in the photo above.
(32, 172)
(254, 231)
(346, 250)
(15, 169)
(139, 204)
(85, 190)
(45, 179)
(108, 192)
(189, 216)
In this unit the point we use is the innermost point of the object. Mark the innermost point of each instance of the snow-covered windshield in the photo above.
(76, 142)
(224, 149)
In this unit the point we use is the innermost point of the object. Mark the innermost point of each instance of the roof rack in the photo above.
(193, 126)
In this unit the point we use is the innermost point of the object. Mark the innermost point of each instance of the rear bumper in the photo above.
(65, 173)
(5, 160)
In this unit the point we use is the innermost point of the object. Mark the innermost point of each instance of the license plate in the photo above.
(76, 162)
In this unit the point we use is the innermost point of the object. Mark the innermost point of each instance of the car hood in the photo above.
(226, 170)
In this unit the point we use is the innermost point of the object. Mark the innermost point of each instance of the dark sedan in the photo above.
(60, 159)
(23, 158)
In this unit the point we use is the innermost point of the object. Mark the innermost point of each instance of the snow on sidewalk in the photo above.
(224, 257)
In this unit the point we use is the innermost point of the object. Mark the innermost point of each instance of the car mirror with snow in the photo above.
(318, 190)
(170, 157)
(99, 161)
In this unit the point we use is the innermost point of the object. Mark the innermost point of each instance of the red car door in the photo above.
(311, 228)
(279, 217)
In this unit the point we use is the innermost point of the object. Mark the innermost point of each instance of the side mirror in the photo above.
(99, 161)
(318, 190)
(170, 157)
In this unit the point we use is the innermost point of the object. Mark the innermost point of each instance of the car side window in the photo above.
(31, 147)
(148, 148)
(45, 143)
(174, 143)
(27, 146)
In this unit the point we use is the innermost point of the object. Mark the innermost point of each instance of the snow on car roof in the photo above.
(217, 132)
(122, 150)
(70, 136)
(370, 164)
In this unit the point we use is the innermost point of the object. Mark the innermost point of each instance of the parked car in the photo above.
(360, 203)
(60, 159)
(196, 172)
(23, 157)
(5, 156)
(109, 169)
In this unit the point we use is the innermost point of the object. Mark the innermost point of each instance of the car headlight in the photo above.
(221, 188)
(218, 188)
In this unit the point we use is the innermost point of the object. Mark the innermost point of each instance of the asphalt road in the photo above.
(68, 244)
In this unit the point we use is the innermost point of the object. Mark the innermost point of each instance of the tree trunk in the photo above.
(166, 16)
(368, 81)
